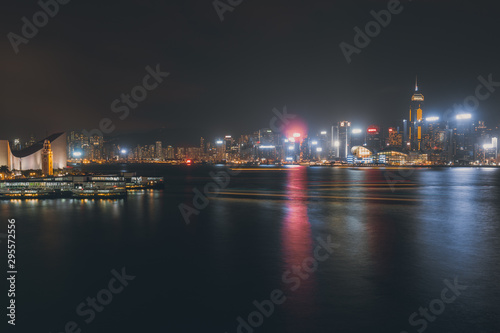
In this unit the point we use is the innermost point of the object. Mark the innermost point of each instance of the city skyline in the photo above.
(457, 108)
(458, 140)
(420, 131)
(282, 166)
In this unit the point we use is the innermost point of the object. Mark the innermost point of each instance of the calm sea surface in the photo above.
(398, 234)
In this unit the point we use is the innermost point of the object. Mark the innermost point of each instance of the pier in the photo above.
(94, 186)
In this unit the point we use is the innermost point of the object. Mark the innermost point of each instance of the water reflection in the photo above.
(456, 219)
(297, 246)
(392, 259)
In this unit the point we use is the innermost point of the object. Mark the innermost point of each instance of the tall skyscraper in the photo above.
(343, 140)
(374, 138)
(159, 151)
(170, 153)
(395, 137)
(358, 137)
(491, 151)
(202, 145)
(228, 143)
(96, 147)
(17, 144)
(464, 139)
(415, 120)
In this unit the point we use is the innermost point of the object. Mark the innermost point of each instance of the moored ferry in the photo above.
(93, 186)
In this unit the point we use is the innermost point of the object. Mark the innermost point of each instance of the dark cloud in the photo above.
(227, 76)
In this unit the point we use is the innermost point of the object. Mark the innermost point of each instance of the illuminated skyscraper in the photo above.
(435, 140)
(228, 143)
(170, 153)
(415, 120)
(358, 137)
(342, 141)
(17, 144)
(202, 145)
(463, 139)
(374, 138)
(96, 147)
(395, 137)
(159, 151)
(491, 151)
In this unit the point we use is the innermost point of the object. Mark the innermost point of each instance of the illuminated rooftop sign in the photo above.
(373, 129)
(464, 116)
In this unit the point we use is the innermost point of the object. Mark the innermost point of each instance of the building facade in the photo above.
(31, 158)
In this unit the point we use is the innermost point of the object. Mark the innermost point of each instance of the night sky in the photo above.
(226, 77)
